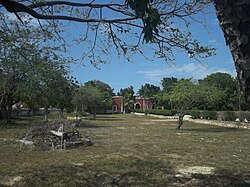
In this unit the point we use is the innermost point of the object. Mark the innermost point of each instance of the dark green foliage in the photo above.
(168, 84)
(203, 114)
(106, 91)
(148, 90)
(209, 114)
(138, 111)
(103, 87)
(149, 15)
(223, 91)
(195, 114)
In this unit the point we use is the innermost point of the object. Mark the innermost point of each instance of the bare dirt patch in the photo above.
(205, 170)
(12, 181)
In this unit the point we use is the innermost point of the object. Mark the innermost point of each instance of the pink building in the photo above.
(138, 103)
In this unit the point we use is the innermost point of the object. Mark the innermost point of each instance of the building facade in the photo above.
(139, 103)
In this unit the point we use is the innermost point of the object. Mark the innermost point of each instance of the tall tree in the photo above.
(15, 56)
(148, 90)
(185, 96)
(88, 98)
(24, 61)
(47, 85)
(102, 86)
(106, 91)
(226, 93)
(168, 84)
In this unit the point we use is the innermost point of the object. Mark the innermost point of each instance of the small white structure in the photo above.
(59, 132)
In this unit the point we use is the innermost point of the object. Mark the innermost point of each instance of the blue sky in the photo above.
(119, 74)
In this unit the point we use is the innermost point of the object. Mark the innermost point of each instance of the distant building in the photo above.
(138, 103)
(117, 104)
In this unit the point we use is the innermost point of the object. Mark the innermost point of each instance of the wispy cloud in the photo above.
(212, 41)
(194, 70)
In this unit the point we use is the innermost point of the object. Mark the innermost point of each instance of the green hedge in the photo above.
(138, 111)
(158, 112)
(203, 114)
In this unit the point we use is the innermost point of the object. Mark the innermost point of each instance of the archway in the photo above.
(137, 106)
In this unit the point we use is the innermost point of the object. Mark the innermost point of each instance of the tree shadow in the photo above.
(224, 178)
(135, 172)
(90, 126)
(211, 130)
(13, 124)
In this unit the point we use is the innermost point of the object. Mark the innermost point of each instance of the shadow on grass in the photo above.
(14, 124)
(211, 130)
(224, 178)
(89, 125)
(123, 172)
(114, 172)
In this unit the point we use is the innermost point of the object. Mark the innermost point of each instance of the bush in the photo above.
(209, 114)
(204, 114)
(196, 114)
(138, 111)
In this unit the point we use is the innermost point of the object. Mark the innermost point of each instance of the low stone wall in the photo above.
(157, 116)
(231, 124)
(221, 123)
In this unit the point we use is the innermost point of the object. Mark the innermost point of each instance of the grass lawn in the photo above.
(130, 151)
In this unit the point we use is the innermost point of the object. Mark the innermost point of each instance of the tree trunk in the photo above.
(234, 18)
(93, 109)
(180, 121)
(6, 113)
(45, 113)
(61, 113)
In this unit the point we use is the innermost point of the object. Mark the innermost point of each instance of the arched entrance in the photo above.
(114, 107)
(137, 106)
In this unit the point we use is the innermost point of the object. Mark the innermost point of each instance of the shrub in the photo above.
(138, 111)
(204, 114)
(195, 114)
(209, 114)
